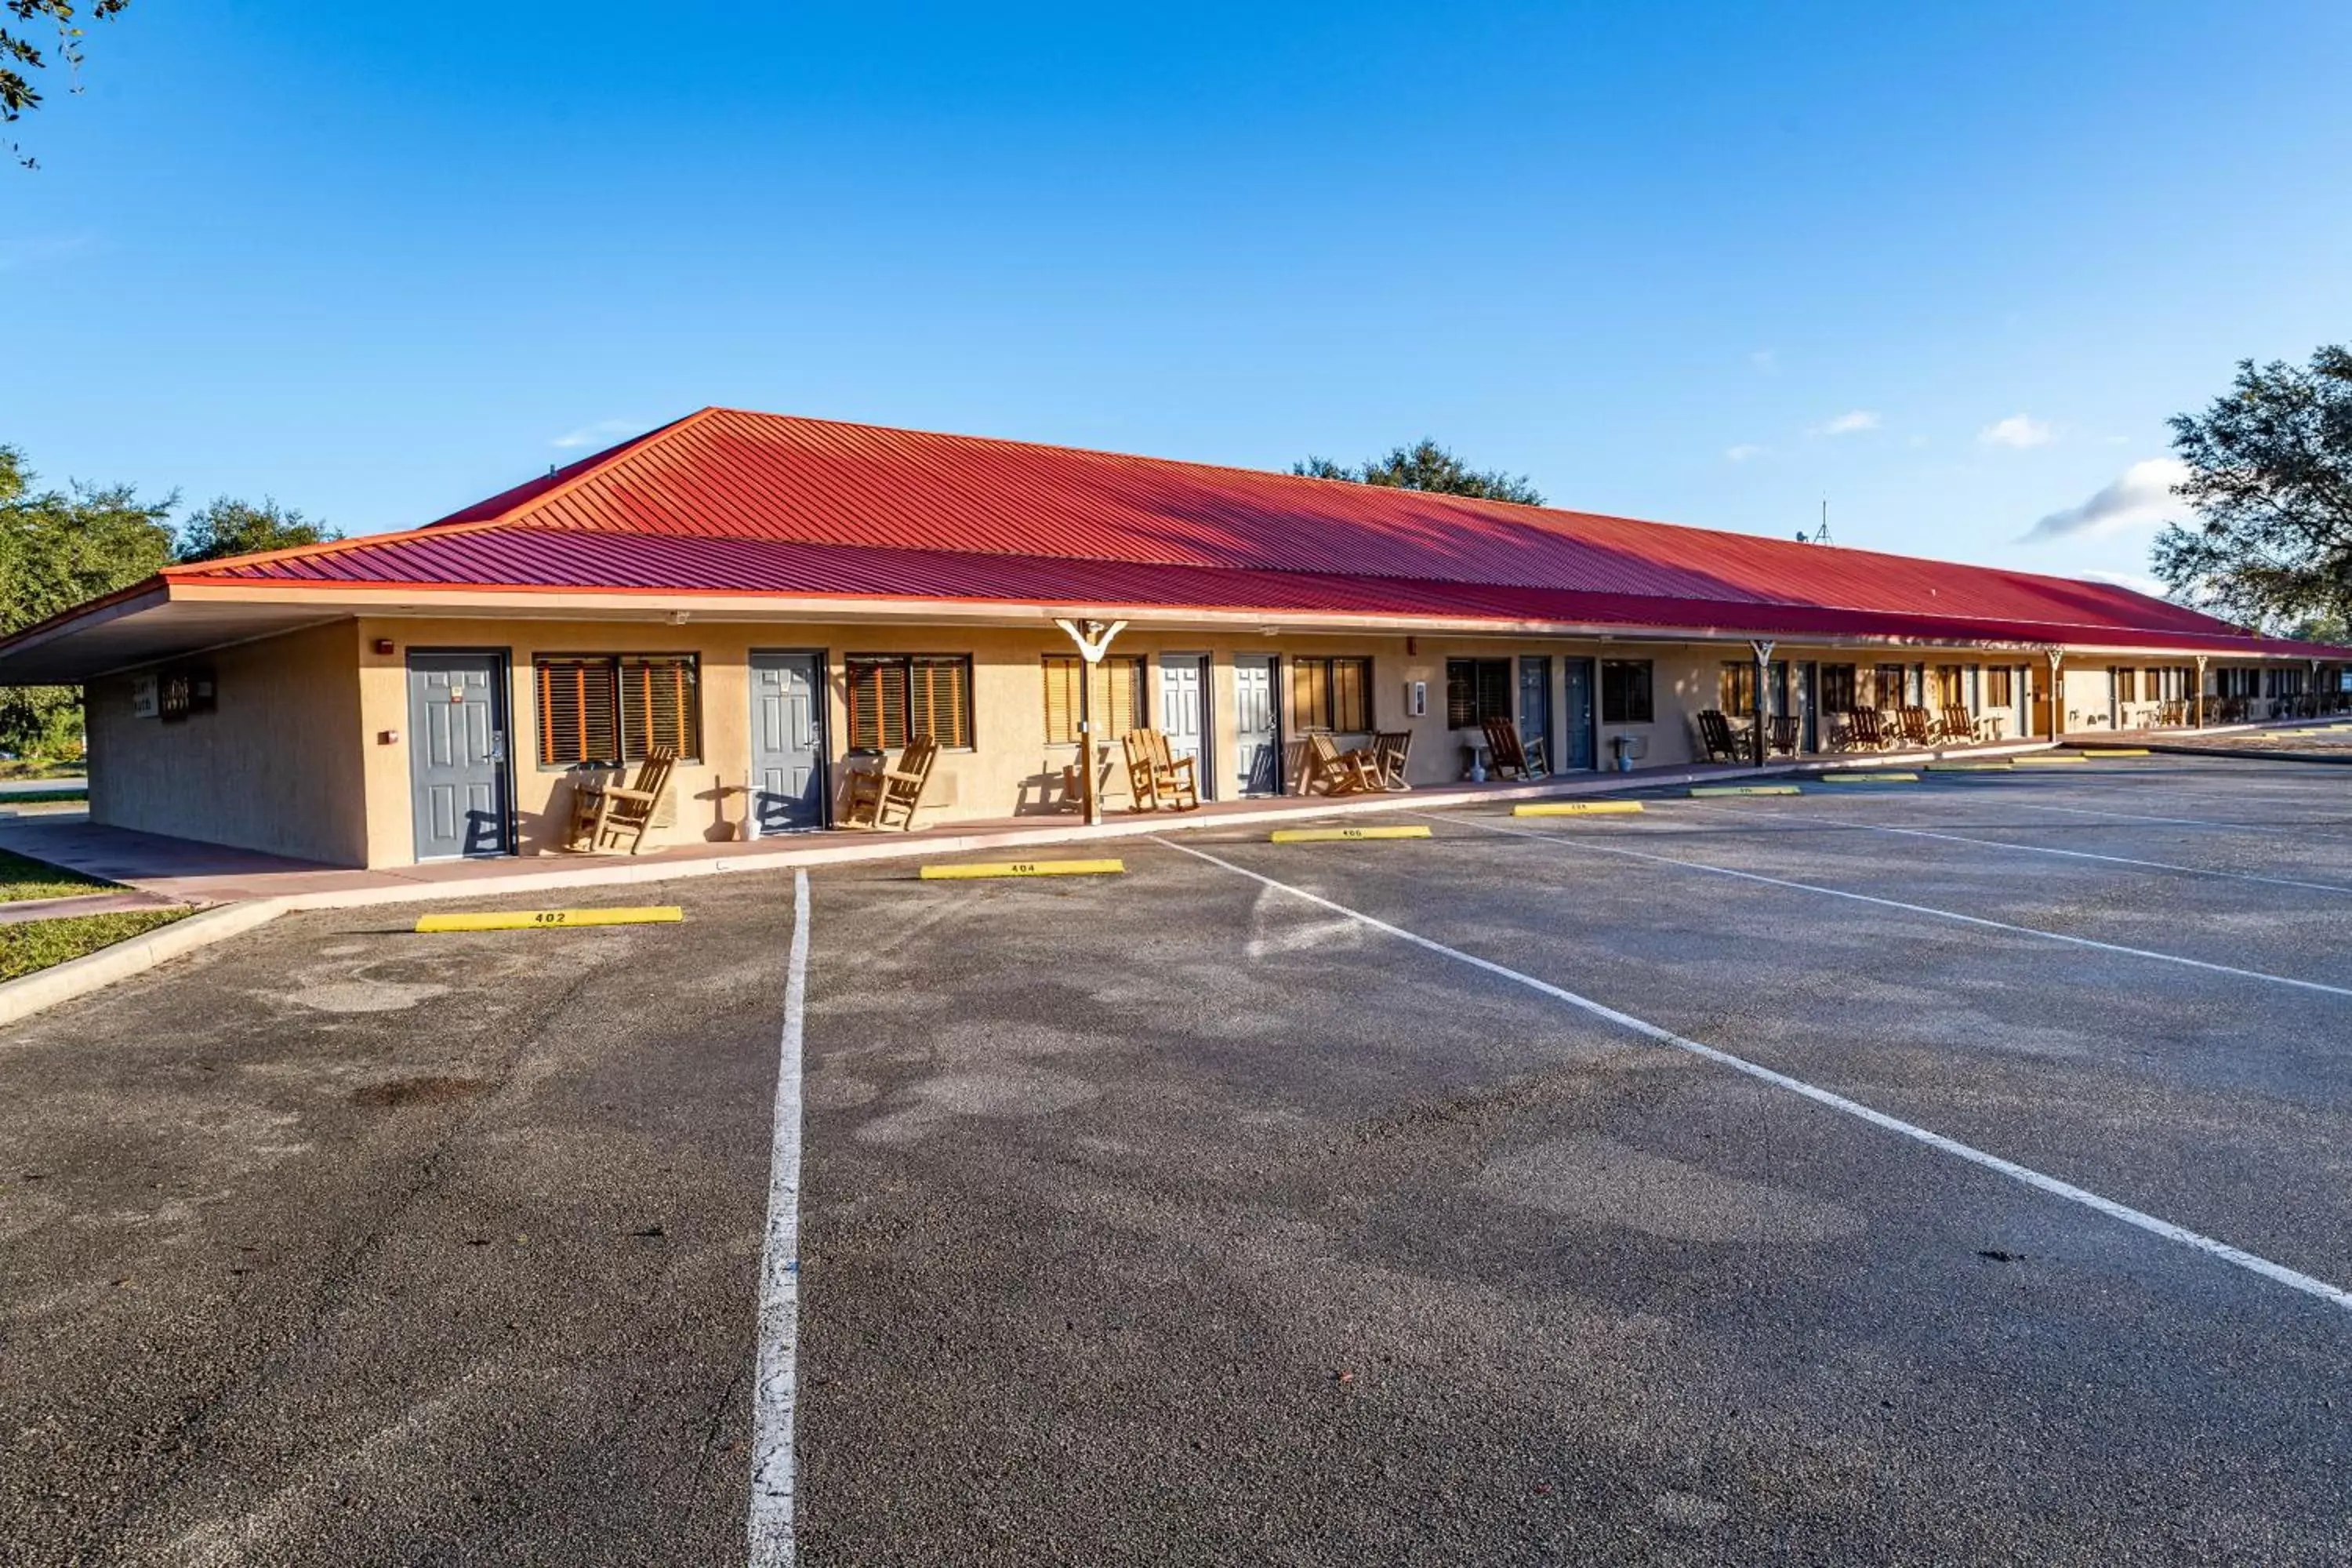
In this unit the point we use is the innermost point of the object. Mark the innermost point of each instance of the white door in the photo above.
(1184, 710)
(1258, 729)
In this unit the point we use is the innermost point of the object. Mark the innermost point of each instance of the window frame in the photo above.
(1138, 710)
(1478, 700)
(905, 663)
(1614, 708)
(1326, 722)
(612, 665)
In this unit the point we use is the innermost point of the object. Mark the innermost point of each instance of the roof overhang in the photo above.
(172, 619)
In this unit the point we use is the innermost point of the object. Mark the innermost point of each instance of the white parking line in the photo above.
(2277, 1272)
(773, 1393)
(2298, 829)
(2034, 850)
(1583, 843)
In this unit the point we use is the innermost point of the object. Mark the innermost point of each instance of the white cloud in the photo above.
(2137, 583)
(2019, 430)
(1742, 452)
(1848, 423)
(2141, 499)
(597, 434)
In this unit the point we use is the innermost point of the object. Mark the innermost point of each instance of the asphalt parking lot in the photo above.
(1938, 1173)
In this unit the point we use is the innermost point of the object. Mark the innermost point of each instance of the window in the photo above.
(895, 696)
(614, 708)
(1625, 692)
(1735, 692)
(2000, 687)
(2127, 685)
(1837, 687)
(1890, 685)
(1116, 700)
(1333, 695)
(1948, 693)
(1477, 689)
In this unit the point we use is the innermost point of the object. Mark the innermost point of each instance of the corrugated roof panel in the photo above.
(727, 501)
(597, 560)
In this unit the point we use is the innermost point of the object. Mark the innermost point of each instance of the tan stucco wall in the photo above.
(275, 766)
(1010, 771)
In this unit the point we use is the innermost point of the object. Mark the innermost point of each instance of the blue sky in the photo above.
(1949, 267)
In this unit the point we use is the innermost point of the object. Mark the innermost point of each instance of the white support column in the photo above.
(1093, 639)
(1763, 700)
(2057, 657)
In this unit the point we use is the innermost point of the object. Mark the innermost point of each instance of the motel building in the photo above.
(784, 602)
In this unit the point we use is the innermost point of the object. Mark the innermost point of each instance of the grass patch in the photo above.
(21, 879)
(39, 944)
(42, 797)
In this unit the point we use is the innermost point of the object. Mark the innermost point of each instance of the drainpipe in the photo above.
(1093, 638)
(1763, 668)
(2202, 660)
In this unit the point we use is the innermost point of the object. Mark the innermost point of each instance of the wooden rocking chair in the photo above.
(1510, 758)
(1390, 750)
(1919, 726)
(1786, 732)
(611, 811)
(1334, 772)
(1721, 741)
(1956, 725)
(871, 798)
(1155, 777)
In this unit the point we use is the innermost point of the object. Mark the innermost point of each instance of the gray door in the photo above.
(1185, 711)
(1576, 720)
(1257, 725)
(1535, 705)
(457, 753)
(787, 742)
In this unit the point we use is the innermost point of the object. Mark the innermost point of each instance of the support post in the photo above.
(1763, 670)
(2057, 656)
(1093, 640)
(2202, 660)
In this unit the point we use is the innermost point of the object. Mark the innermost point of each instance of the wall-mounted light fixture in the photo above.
(383, 647)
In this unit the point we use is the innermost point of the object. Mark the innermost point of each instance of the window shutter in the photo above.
(1061, 699)
(660, 706)
(936, 700)
(1118, 690)
(577, 719)
(1352, 694)
(1309, 690)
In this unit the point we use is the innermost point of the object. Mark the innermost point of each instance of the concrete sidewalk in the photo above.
(183, 871)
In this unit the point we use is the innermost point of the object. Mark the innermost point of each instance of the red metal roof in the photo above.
(727, 501)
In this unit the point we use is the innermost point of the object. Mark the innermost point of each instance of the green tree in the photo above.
(1426, 465)
(229, 527)
(2271, 481)
(59, 548)
(21, 53)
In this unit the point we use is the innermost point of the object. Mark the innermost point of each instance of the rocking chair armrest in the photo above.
(620, 793)
(895, 773)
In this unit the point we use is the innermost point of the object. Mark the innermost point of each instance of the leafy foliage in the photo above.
(231, 527)
(1426, 465)
(20, 54)
(2271, 479)
(59, 548)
